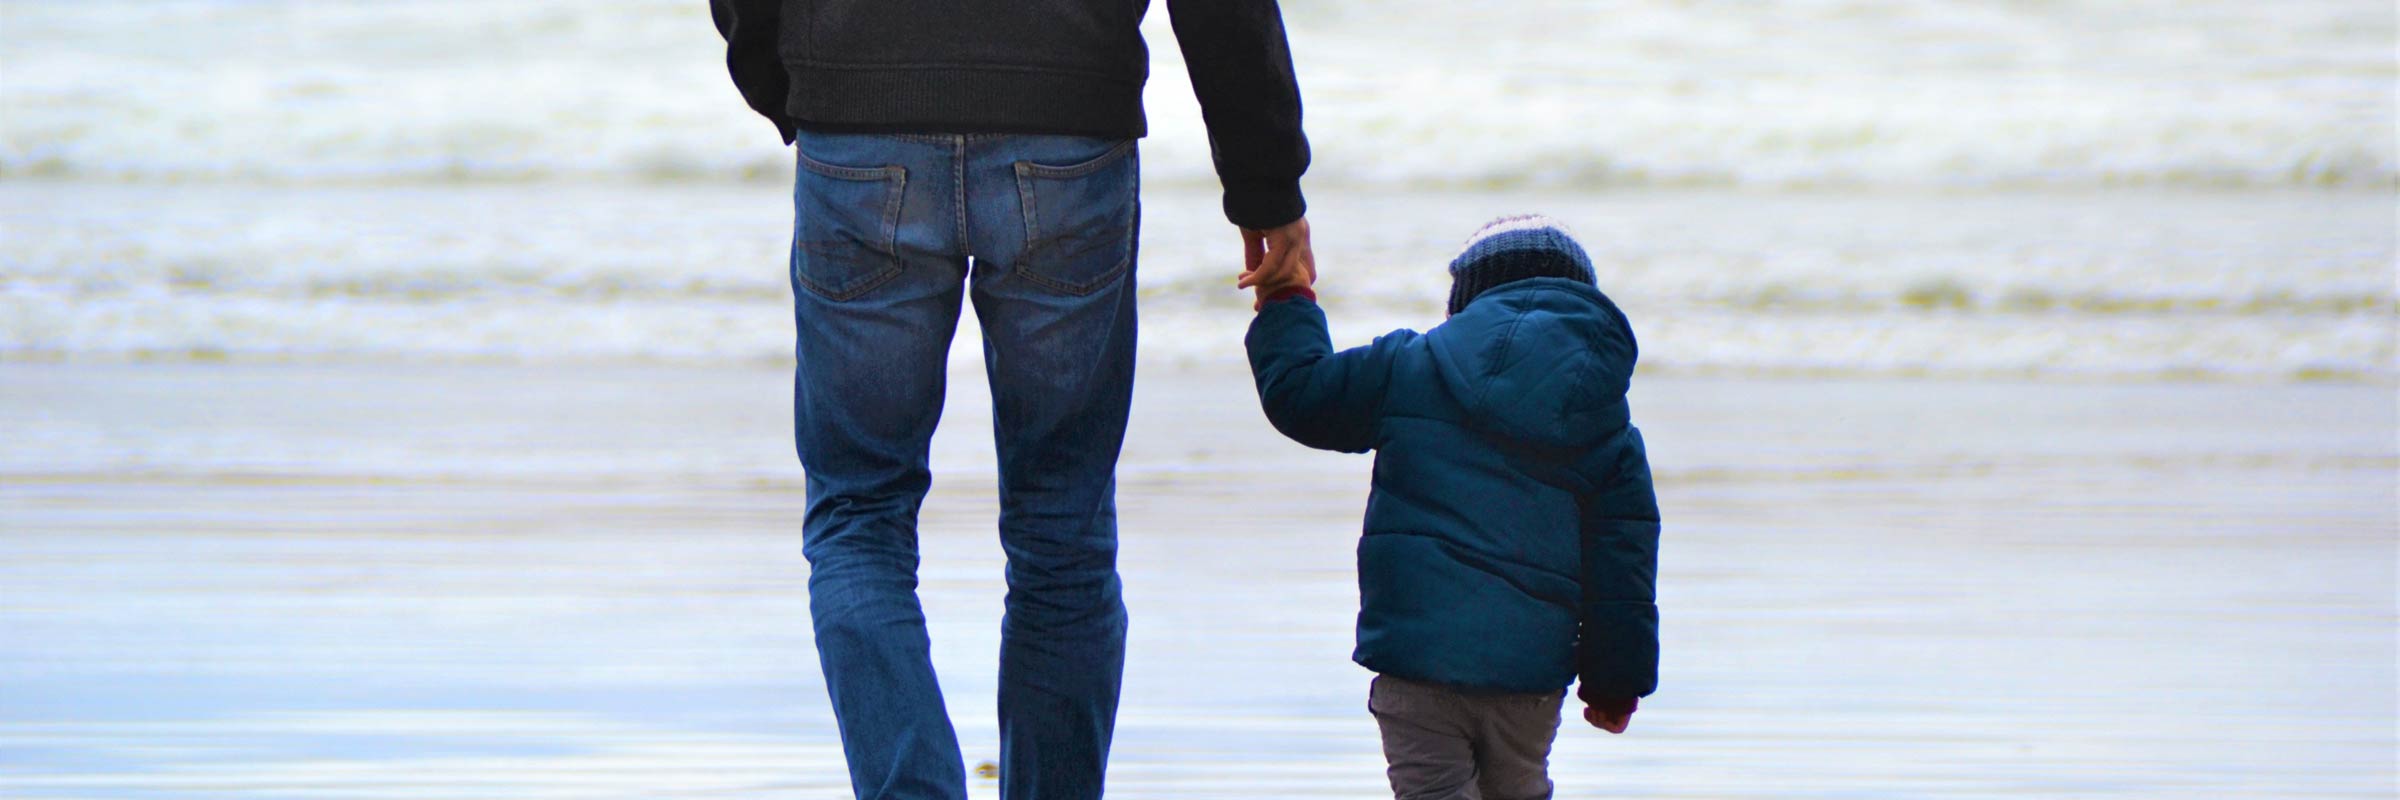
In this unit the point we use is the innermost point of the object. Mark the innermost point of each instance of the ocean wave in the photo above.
(1594, 171)
(1678, 341)
(1401, 93)
(2290, 285)
(664, 285)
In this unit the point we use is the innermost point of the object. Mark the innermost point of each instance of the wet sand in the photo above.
(401, 581)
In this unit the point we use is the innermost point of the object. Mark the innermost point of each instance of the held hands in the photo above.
(1612, 714)
(1276, 259)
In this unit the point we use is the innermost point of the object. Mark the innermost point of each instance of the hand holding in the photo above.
(1277, 258)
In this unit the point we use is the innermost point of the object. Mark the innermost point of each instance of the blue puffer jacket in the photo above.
(1511, 536)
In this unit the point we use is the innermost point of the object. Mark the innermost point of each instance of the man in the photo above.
(987, 149)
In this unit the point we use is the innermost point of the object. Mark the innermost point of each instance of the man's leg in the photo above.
(877, 288)
(1054, 221)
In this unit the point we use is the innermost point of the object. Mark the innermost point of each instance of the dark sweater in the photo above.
(1511, 537)
(1027, 66)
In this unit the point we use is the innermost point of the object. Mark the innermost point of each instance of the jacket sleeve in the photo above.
(752, 31)
(1616, 652)
(1241, 69)
(1318, 397)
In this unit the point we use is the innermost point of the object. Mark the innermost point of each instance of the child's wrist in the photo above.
(1289, 292)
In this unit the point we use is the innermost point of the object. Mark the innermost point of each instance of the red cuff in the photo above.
(1290, 292)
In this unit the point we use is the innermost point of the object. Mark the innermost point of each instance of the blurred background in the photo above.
(394, 399)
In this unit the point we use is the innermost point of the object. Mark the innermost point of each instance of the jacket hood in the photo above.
(1544, 361)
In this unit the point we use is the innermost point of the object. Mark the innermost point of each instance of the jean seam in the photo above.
(840, 172)
(958, 178)
(1032, 214)
(1079, 290)
(1077, 170)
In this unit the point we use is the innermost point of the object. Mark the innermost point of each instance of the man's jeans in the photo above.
(888, 226)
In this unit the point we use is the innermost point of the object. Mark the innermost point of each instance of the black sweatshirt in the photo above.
(1027, 66)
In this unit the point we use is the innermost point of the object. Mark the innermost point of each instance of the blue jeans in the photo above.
(1039, 232)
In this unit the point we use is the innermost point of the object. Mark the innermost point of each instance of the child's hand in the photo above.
(1612, 714)
(1261, 292)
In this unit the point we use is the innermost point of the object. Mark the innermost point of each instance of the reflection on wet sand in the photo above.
(471, 582)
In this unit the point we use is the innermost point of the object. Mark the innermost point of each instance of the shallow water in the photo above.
(2250, 286)
(430, 582)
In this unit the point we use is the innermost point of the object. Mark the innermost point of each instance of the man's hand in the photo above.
(1276, 258)
(1612, 714)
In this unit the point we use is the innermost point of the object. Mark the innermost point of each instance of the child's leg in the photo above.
(1426, 740)
(1512, 744)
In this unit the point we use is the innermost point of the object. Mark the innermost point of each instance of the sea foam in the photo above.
(1400, 93)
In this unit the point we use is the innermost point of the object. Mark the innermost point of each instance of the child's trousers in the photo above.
(1446, 744)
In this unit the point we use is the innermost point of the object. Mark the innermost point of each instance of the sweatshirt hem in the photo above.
(964, 99)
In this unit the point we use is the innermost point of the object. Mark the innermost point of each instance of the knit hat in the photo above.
(1512, 249)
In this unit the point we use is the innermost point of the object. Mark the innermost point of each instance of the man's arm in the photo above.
(752, 29)
(1241, 70)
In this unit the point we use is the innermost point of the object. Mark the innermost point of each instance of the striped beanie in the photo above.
(1512, 249)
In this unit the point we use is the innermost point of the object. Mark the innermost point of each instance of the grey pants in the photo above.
(1445, 744)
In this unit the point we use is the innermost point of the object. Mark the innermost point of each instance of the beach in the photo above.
(394, 400)
(457, 581)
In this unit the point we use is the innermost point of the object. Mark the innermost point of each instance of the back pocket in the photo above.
(844, 228)
(1079, 220)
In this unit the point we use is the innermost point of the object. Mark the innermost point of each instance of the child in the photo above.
(1511, 535)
